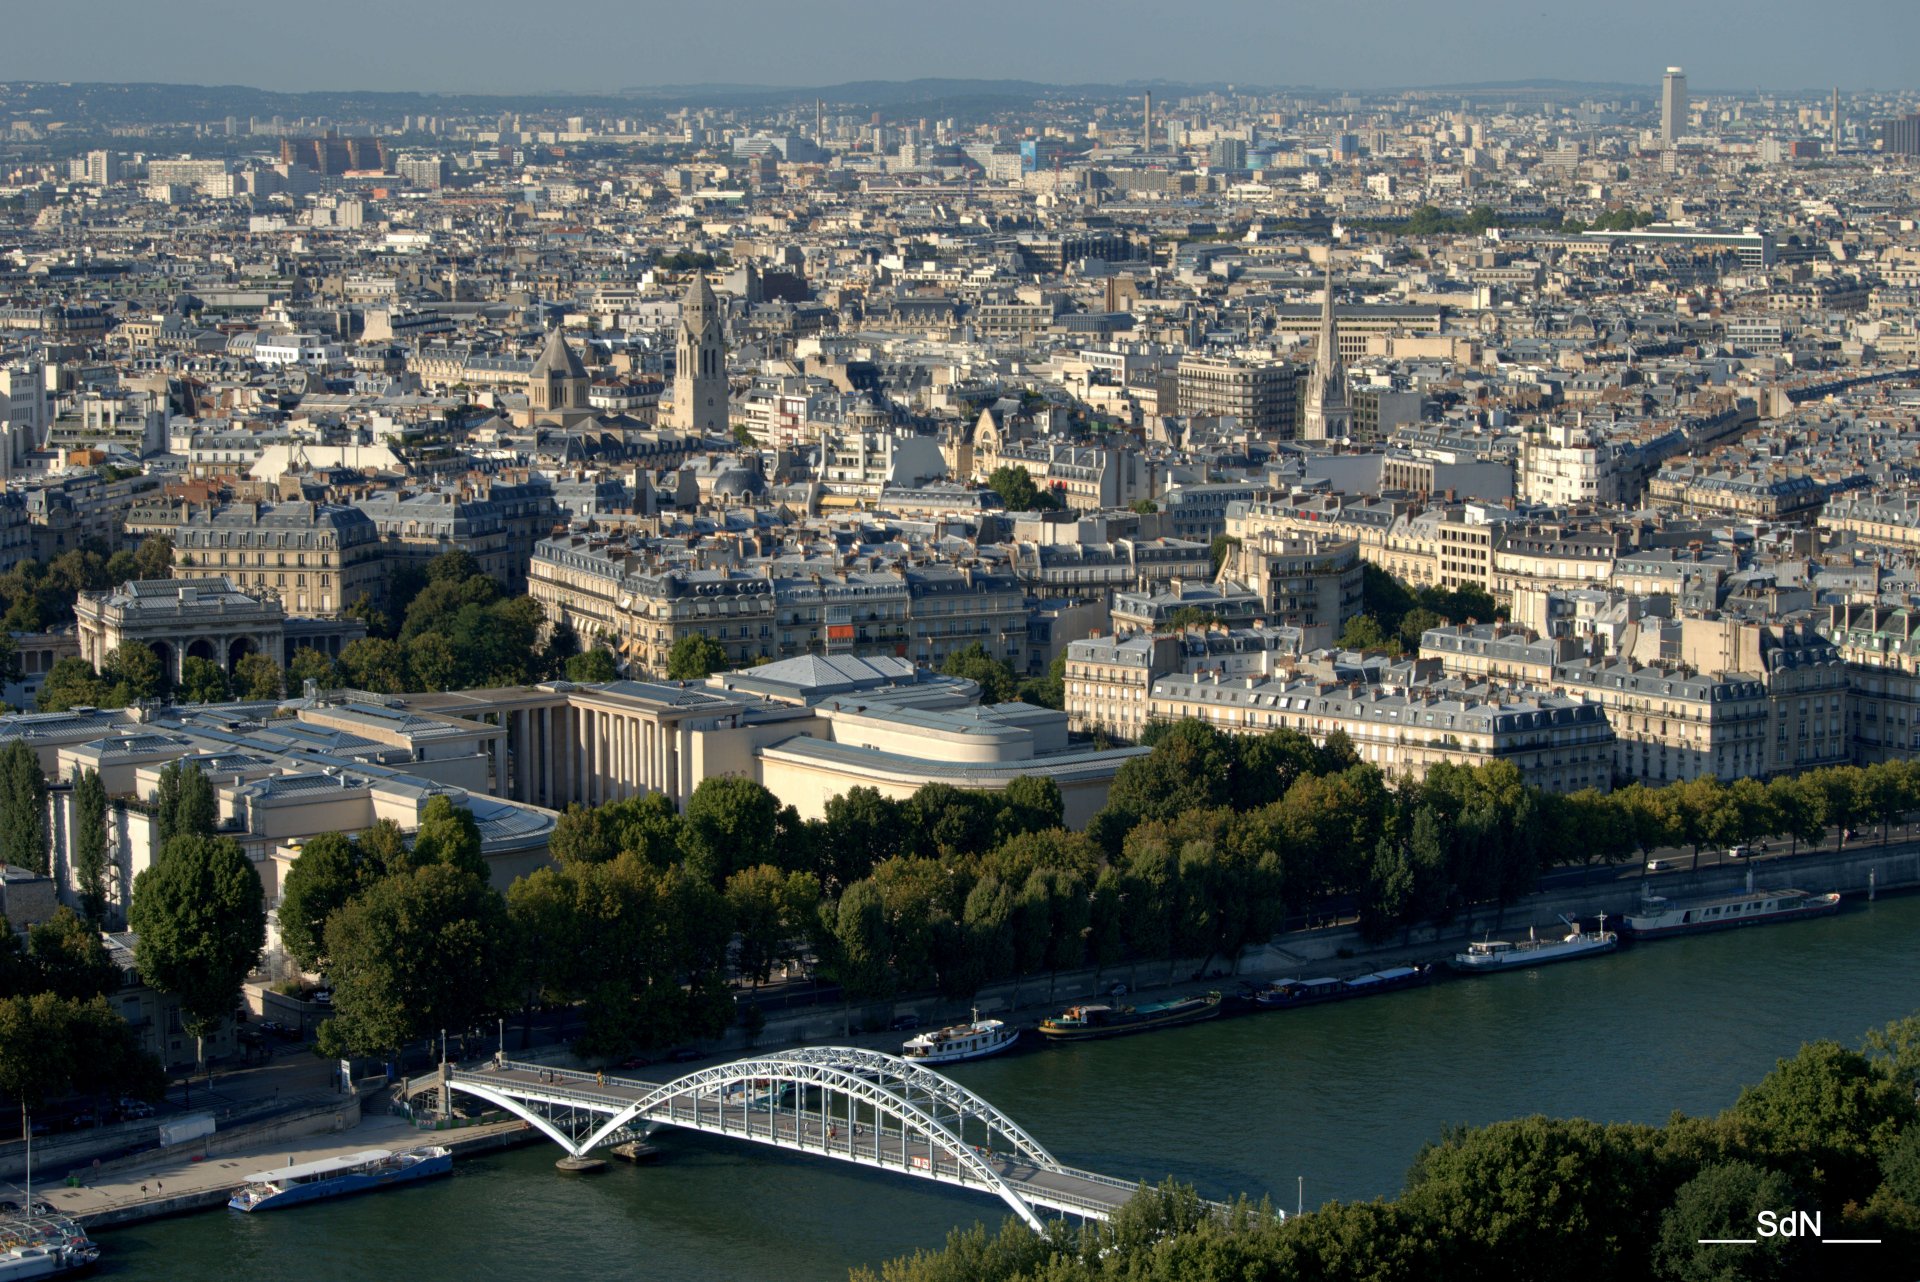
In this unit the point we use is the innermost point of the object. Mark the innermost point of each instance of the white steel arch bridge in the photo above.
(864, 1107)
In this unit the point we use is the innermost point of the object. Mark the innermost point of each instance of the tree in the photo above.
(309, 664)
(1144, 507)
(72, 683)
(592, 666)
(770, 909)
(136, 674)
(154, 557)
(370, 663)
(432, 663)
(448, 835)
(69, 956)
(545, 922)
(1049, 691)
(1801, 806)
(201, 919)
(90, 861)
(695, 658)
(257, 677)
(1724, 1201)
(202, 681)
(323, 878)
(417, 952)
(23, 808)
(1017, 491)
(1823, 1116)
(994, 678)
(862, 829)
(1217, 550)
(1363, 632)
(730, 824)
(1189, 768)
(183, 804)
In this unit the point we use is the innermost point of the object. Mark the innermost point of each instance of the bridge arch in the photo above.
(930, 1112)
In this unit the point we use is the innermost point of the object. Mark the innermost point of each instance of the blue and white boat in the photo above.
(372, 1168)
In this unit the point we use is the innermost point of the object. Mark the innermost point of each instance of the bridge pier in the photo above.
(580, 1165)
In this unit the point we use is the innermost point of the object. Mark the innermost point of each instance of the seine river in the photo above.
(1341, 1095)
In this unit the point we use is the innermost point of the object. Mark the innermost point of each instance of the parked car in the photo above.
(1739, 852)
(1657, 865)
(904, 1023)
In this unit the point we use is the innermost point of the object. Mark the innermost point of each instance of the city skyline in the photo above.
(476, 48)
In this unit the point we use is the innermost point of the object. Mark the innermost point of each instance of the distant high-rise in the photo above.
(1673, 105)
(700, 365)
(1900, 136)
(1836, 119)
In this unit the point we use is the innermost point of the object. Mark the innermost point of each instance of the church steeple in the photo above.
(558, 381)
(700, 364)
(1328, 416)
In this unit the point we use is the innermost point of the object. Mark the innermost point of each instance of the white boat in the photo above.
(974, 1040)
(1660, 917)
(1488, 956)
(372, 1168)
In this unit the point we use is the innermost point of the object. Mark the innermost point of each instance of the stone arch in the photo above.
(169, 660)
(239, 649)
(202, 648)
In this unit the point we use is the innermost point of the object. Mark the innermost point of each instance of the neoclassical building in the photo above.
(180, 619)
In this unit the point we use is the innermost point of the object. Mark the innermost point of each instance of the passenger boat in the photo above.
(950, 1045)
(1285, 994)
(1085, 1023)
(360, 1172)
(1488, 956)
(1660, 917)
(39, 1246)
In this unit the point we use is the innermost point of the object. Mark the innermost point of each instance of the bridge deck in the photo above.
(1063, 1189)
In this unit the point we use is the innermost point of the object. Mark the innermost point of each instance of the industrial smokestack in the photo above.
(1146, 128)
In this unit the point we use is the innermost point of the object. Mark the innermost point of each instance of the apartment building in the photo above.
(318, 558)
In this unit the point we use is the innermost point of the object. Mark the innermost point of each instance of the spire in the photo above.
(558, 358)
(1327, 360)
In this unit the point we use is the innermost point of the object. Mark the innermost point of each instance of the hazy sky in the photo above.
(520, 46)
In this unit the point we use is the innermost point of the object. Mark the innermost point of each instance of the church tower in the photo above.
(558, 382)
(700, 366)
(1328, 416)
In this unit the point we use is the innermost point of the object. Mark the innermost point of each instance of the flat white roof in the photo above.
(324, 1166)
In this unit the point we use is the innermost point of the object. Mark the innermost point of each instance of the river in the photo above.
(1342, 1095)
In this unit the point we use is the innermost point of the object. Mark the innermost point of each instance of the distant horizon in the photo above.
(494, 48)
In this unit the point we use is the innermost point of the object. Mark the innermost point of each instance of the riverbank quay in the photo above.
(176, 1184)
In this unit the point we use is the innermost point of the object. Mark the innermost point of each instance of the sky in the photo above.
(529, 46)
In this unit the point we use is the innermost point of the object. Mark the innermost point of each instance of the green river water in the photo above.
(1343, 1095)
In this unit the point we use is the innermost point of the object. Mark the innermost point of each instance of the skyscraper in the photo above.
(700, 367)
(1328, 415)
(1673, 105)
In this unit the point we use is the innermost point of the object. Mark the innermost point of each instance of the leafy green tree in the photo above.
(136, 674)
(1801, 807)
(1049, 691)
(1144, 507)
(448, 835)
(1823, 1116)
(23, 808)
(72, 683)
(183, 804)
(731, 823)
(858, 947)
(202, 681)
(432, 663)
(1218, 549)
(201, 919)
(770, 911)
(592, 666)
(1192, 616)
(52, 1045)
(1190, 768)
(90, 857)
(1724, 1201)
(695, 658)
(1363, 632)
(1018, 492)
(370, 663)
(257, 677)
(863, 828)
(308, 664)
(323, 878)
(154, 557)
(994, 678)
(544, 919)
(415, 953)
(383, 851)
(69, 956)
